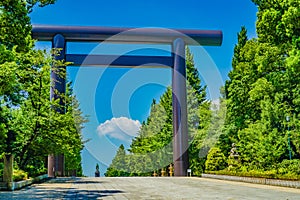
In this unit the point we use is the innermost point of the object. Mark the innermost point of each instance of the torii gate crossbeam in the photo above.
(59, 35)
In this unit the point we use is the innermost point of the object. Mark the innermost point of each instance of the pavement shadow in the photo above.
(59, 188)
(88, 182)
(33, 192)
(66, 180)
(58, 193)
(90, 194)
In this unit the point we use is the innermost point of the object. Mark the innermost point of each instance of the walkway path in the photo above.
(150, 188)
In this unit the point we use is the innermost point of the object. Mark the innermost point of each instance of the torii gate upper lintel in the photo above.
(59, 35)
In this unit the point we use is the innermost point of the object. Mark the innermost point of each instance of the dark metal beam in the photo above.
(127, 35)
(120, 61)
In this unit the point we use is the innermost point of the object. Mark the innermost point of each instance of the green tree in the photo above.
(278, 21)
(236, 92)
(151, 150)
(118, 167)
(214, 129)
(264, 88)
(16, 56)
(29, 127)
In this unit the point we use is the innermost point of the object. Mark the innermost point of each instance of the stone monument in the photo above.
(97, 172)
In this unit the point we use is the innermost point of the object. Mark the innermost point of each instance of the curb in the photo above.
(20, 184)
(264, 181)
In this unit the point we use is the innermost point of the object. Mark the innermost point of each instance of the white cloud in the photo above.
(121, 128)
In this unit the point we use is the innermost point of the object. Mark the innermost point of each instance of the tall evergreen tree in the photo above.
(118, 165)
(151, 150)
(264, 89)
(236, 92)
(198, 114)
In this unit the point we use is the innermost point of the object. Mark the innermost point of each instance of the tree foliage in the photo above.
(118, 165)
(30, 128)
(152, 150)
(264, 89)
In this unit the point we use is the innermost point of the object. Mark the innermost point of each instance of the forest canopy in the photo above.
(257, 123)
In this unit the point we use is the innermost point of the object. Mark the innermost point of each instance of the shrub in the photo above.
(215, 160)
(1, 169)
(34, 171)
(271, 174)
(19, 175)
(289, 167)
(233, 164)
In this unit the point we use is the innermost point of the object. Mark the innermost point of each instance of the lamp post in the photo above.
(289, 139)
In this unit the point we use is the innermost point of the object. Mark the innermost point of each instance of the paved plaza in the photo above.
(150, 188)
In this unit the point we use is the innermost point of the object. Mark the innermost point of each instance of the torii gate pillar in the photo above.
(179, 103)
(58, 88)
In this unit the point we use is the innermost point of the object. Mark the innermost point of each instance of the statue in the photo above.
(233, 159)
(154, 174)
(163, 172)
(171, 170)
(97, 172)
(233, 152)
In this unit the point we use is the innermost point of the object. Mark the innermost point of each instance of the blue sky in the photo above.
(117, 100)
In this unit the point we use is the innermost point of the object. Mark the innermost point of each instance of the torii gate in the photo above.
(59, 35)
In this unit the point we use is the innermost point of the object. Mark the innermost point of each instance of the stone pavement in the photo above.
(150, 188)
